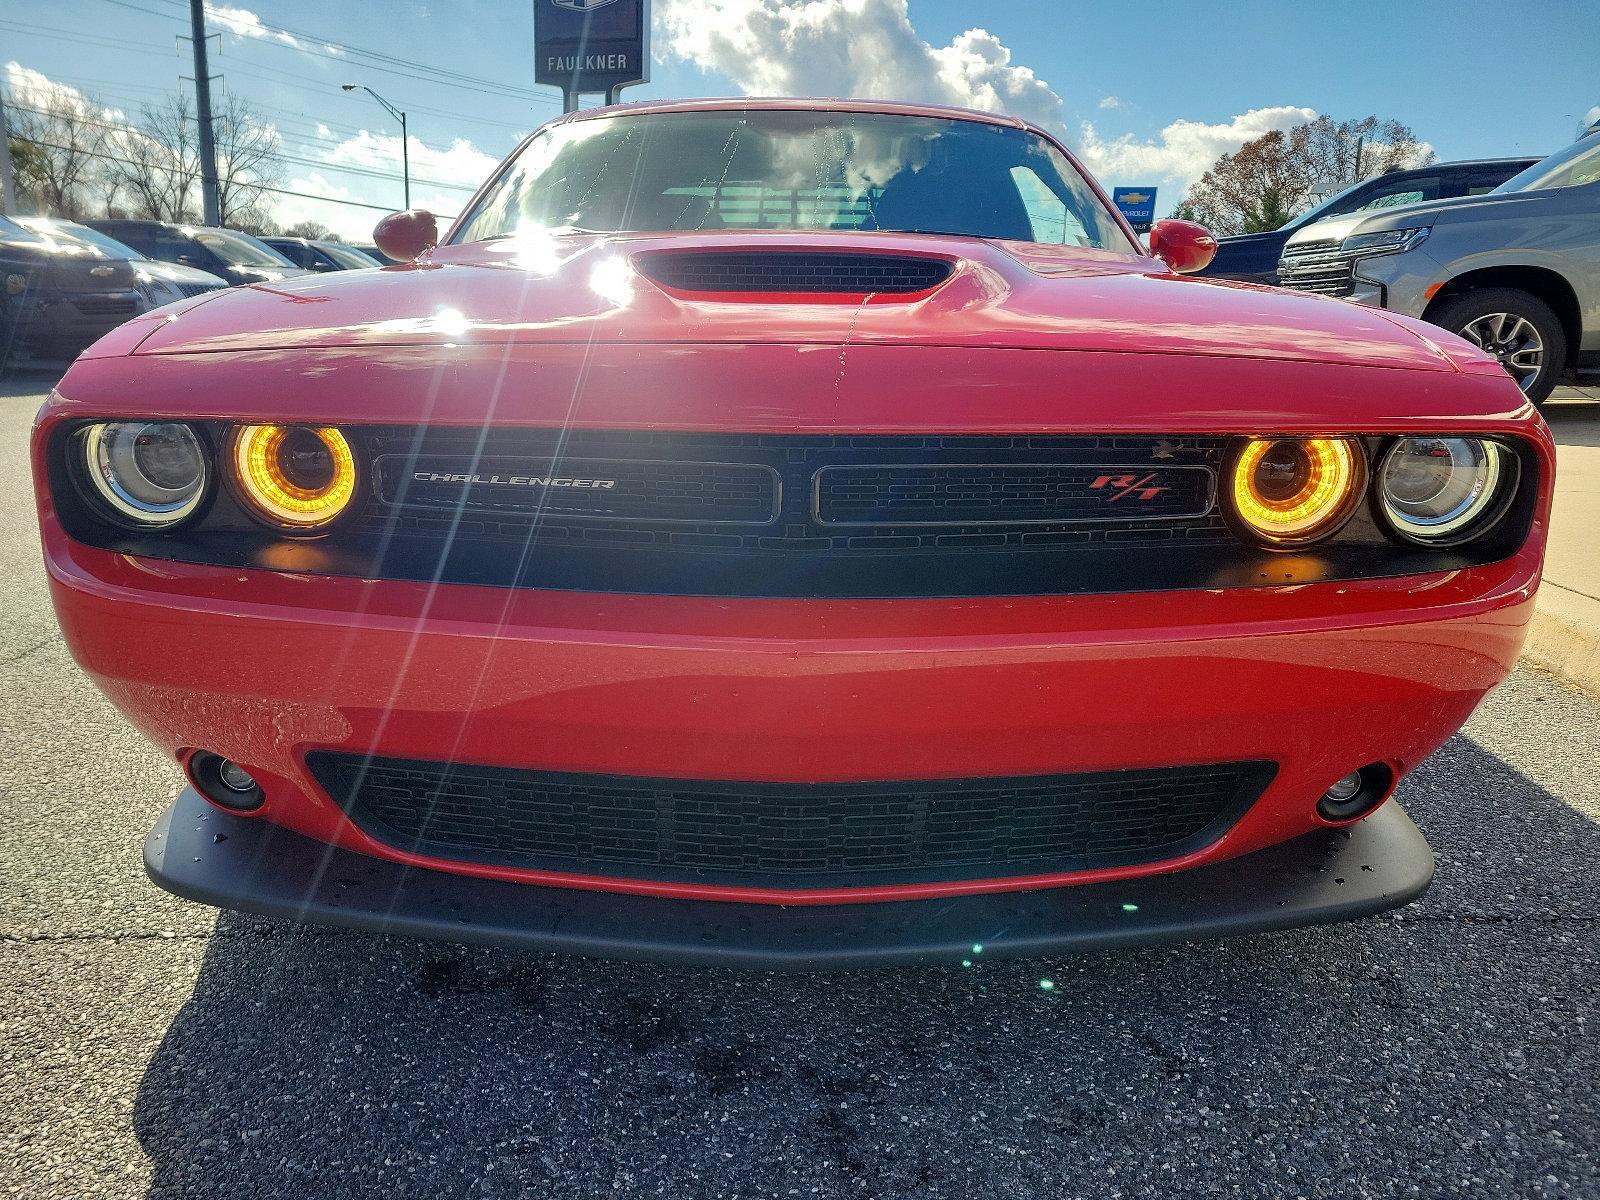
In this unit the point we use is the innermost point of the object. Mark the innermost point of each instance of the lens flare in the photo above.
(1294, 490)
(298, 476)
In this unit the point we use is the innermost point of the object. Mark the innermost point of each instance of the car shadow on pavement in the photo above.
(1435, 1044)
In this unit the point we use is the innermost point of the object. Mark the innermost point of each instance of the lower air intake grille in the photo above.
(107, 308)
(785, 835)
(852, 274)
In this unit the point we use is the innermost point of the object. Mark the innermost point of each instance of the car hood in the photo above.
(1415, 216)
(589, 289)
(178, 273)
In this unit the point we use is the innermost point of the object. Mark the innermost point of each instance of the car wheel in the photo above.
(1517, 328)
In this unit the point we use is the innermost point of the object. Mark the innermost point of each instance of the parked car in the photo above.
(835, 541)
(227, 253)
(158, 282)
(1516, 271)
(56, 298)
(372, 252)
(321, 255)
(1254, 256)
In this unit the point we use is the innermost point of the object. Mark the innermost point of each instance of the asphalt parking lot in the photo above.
(154, 1048)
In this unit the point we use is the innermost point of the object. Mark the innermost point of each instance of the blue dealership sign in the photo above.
(1138, 204)
(591, 45)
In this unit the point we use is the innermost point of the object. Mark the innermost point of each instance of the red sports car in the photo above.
(786, 532)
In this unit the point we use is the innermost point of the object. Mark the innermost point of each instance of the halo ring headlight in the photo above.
(294, 476)
(1441, 491)
(1288, 491)
(148, 474)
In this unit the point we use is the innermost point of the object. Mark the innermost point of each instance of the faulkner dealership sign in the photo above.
(591, 45)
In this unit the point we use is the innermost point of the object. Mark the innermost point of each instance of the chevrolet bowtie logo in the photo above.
(582, 5)
(1127, 197)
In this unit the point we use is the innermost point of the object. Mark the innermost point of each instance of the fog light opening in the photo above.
(1357, 794)
(225, 783)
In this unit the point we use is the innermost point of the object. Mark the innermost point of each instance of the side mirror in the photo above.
(319, 265)
(1183, 245)
(403, 236)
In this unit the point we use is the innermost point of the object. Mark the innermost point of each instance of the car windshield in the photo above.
(1578, 164)
(347, 256)
(105, 243)
(239, 249)
(1329, 207)
(783, 169)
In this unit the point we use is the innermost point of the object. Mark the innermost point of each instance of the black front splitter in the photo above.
(1335, 875)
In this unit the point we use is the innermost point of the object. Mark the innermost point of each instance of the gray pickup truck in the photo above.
(1516, 271)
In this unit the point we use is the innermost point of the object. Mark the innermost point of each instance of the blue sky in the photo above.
(1148, 93)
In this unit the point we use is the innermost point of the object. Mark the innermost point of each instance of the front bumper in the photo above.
(67, 322)
(266, 667)
(203, 854)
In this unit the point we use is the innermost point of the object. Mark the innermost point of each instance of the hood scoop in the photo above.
(789, 272)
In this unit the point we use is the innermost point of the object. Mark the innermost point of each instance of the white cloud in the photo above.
(870, 48)
(347, 222)
(28, 88)
(1183, 151)
(849, 48)
(246, 24)
(460, 161)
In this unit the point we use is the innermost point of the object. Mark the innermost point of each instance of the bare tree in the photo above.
(1268, 180)
(249, 163)
(157, 162)
(61, 133)
(314, 230)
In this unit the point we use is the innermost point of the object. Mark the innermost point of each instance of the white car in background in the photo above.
(158, 282)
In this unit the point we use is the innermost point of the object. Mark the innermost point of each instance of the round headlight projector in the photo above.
(1441, 490)
(147, 473)
(298, 476)
(1289, 491)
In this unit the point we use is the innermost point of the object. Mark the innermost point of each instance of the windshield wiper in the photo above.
(498, 237)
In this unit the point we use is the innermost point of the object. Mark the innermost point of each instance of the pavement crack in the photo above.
(262, 933)
(1487, 919)
(1575, 591)
(27, 650)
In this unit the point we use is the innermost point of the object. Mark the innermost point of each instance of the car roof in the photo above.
(180, 226)
(804, 103)
(1486, 162)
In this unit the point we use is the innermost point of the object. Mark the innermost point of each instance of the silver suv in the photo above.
(1516, 271)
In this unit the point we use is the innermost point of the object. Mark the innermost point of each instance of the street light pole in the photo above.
(405, 159)
(405, 148)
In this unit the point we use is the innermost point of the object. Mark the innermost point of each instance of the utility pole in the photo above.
(210, 201)
(8, 191)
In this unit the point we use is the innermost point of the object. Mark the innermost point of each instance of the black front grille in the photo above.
(1319, 266)
(107, 307)
(197, 289)
(850, 274)
(786, 835)
(1008, 494)
(556, 486)
(794, 497)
